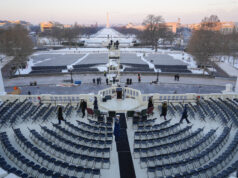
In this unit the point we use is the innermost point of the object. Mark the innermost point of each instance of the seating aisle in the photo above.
(124, 153)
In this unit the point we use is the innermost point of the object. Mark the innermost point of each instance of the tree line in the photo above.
(70, 35)
(205, 44)
(208, 44)
(15, 41)
(155, 30)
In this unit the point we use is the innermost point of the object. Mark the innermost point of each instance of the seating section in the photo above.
(33, 145)
(173, 68)
(52, 151)
(47, 69)
(130, 67)
(171, 149)
(70, 151)
(85, 68)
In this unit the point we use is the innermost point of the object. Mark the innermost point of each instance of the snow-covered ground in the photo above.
(229, 69)
(230, 60)
(151, 66)
(47, 41)
(104, 36)
(92, 56)
(28, 68)
(120, 105)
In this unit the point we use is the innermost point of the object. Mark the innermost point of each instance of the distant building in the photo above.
(137, 27)
(223, 27)
(47, 26)
(4, 24)
(173, 26)
(236, 26)
(67, 26)
(227, 27)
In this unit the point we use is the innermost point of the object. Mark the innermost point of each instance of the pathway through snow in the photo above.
(79, 60)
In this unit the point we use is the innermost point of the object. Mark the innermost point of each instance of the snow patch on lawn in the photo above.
(27, 70)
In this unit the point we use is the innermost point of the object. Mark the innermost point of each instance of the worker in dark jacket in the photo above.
(83, 106)
(95, 103)
(60, 115)
(150, 102)
(185, 114)
(164, 110)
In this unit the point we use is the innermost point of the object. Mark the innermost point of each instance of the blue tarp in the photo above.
(77, 82)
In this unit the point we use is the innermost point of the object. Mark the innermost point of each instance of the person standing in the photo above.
(83, 107)
(107, 81)
(178, 77)
(116, 131)
(94, 81)
(95, 103)
(60, 115)
(164, 110)
(39, 99)
(185, 114)
(150, 102)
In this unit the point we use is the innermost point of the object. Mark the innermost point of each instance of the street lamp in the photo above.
(157, 74)
(70, 69)
(157, 79)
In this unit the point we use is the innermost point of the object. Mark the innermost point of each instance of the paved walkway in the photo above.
(145, 88)
(87, 78)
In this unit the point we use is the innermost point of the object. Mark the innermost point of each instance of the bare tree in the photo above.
(71, 35)
(232, 46)
(155, 29)
(169, 36)
(211, 23)
(57, 33)
(207, 42)
(203, 45)
(16, 42)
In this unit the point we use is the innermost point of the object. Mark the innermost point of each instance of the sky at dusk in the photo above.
(120, 11)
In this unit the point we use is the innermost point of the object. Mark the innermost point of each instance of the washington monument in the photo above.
(108, 26)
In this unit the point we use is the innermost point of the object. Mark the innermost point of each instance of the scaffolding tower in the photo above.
(113, 65)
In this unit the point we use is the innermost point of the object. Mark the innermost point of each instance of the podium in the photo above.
(119, 93)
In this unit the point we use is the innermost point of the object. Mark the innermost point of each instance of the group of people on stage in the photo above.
(164, 109)
(83, 107)
(112, 43)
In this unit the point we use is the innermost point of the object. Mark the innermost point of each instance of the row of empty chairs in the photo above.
(176, 144)
(81, 147)
(103, 140)
(193, 160)
(90, 158)
(56, 166)
(149, 124)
